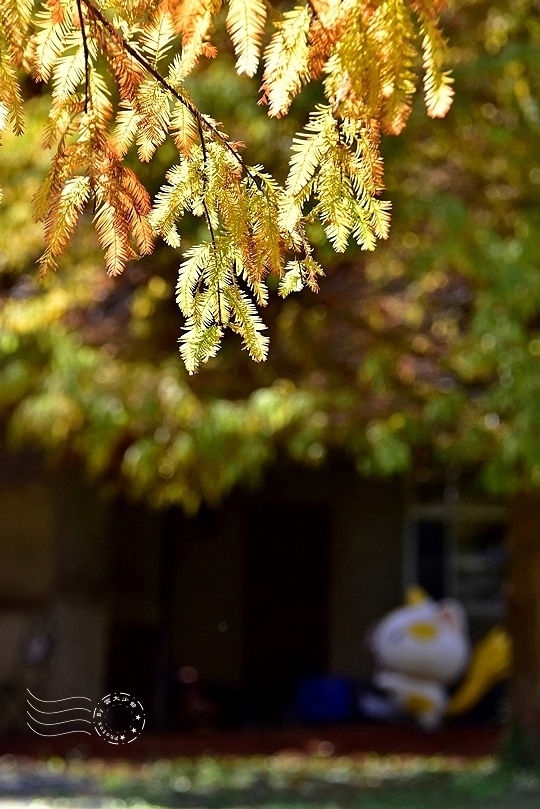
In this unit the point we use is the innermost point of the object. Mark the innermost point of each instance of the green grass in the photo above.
(286, 781)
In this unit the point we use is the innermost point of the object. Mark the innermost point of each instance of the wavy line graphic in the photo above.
(55, 725)
(50, 735)
(56, 700)
(65, 710)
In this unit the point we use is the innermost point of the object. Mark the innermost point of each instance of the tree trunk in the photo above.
(524, 626)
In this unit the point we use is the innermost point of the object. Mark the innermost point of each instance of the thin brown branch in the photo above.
(207, 212)
(205, 181)
(87, 98)
(143, 62)
(313, 10)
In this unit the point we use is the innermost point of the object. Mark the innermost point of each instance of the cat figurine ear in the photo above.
(415, 595)
(453, 615)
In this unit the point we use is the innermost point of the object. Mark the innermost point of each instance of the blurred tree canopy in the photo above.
(423, 354)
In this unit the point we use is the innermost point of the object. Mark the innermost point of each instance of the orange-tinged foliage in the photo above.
(364, 52)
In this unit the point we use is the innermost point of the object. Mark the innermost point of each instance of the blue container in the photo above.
(324, 698)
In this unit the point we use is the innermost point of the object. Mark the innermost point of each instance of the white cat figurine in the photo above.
(420, 650)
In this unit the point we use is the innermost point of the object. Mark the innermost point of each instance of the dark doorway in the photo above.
(131, 664)
(432, 554)
(286, 584)
(138, 542)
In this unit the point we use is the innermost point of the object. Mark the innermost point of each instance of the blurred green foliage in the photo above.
(423, 355)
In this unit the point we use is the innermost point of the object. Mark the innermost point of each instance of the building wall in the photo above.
(81, 591)
(366, 568)
(366, 557)
(26, 542)
(207, 609)
(365, 577)
(54, 577)
(134, 596)
(26, 566)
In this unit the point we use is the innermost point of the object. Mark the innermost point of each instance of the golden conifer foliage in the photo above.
(117, 70)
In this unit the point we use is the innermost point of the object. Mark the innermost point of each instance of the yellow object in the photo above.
(418, 704)
(415, 595)
(491, 663)
(422, 630)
